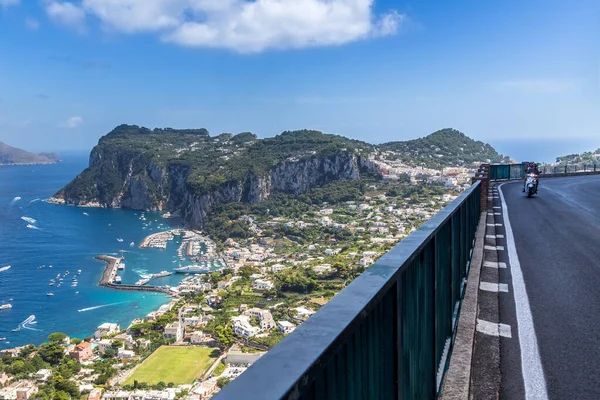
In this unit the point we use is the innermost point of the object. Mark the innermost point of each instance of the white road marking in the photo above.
(494, 224)
(493, 329)
(493, 287)
(493, 248)
(490, 236)
(531, 363)
(493, 264)
(497, 207)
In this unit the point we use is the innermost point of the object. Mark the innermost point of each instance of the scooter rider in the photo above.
(531, 168)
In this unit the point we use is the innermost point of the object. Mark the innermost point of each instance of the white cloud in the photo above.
(66, 13)
(543, 86)
(6, 3)
(246, 26)
(72, 122)
(32, 24)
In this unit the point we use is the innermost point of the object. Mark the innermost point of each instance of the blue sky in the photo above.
(373, 70)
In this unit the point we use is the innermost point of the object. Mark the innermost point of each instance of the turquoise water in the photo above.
(67, 239)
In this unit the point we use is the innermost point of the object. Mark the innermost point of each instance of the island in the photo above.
(13, 156)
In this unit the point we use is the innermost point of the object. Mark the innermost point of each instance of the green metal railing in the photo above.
(507, 171)
(388, 335)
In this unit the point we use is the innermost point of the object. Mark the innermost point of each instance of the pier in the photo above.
(110, 271)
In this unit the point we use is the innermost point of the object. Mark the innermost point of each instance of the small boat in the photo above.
(2, 339)
(5, 306)
(5, 268)
(51, 284)
(119, 240)
(78, 271)
(49, 266)
(49, 294)
(142, 281)
(77, 292)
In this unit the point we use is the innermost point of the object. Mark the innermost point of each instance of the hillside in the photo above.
(191, 173)
(446, 147)
(13, 156)
(589, 157)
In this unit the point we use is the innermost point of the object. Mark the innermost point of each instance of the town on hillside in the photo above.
(293, 256)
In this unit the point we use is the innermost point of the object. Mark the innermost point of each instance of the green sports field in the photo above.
(175, 364)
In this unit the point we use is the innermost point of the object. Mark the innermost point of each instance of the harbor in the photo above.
(109, 277)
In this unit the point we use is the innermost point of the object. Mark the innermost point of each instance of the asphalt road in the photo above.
(557, 238)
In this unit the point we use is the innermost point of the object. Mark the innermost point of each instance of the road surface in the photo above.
(557, 244)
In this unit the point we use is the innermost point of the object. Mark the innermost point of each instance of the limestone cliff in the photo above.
(126, 172)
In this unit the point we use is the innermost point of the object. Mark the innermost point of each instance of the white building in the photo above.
(266, 320)
(103, 345)
(106, 328)
(43, 374)
(286, 327)
(242, 327)
(196, 337)
(173, 330)
(262, 284)
(122, 353)
(303, 313)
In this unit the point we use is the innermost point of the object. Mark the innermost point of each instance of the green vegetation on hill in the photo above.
(446, 147)
(208, 162)
(589, 157)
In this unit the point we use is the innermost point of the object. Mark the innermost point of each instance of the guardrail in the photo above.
(517, 171)
(388, 335)
(570, 169)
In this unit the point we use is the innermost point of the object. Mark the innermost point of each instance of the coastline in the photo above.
(28, 164)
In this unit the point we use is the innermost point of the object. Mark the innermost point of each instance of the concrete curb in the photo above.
(458, 377)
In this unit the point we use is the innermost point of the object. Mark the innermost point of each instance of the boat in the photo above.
(49, 294)
(161, 274)
(119, 240)
(117, 279)
(142, 281)
(120, 266)
(51, 284)
(5, 306)
(2, 339)
(78, 271)
(77, 292)
(192, 269)
(5, 268)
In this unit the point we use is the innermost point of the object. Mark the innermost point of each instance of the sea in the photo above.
(34, 233)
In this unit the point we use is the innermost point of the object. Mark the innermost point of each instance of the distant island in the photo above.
(12, 156)
(191, 173)
(588, 157)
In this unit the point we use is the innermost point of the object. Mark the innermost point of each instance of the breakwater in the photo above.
(110, 272)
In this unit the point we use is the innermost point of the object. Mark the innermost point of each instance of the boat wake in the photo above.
(102, 306)
(30, 220)
(27, 324)
(33, 227)
(34, 200)
(142, 273)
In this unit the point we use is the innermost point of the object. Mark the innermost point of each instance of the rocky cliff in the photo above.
(192, 174)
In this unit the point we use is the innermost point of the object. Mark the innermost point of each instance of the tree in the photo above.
(67, 386)
(61, 396)
(222, 382)
(109, 353)
(117, 344)
(75, 341)
(52, 352)
(225, 335)
(57, 337)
